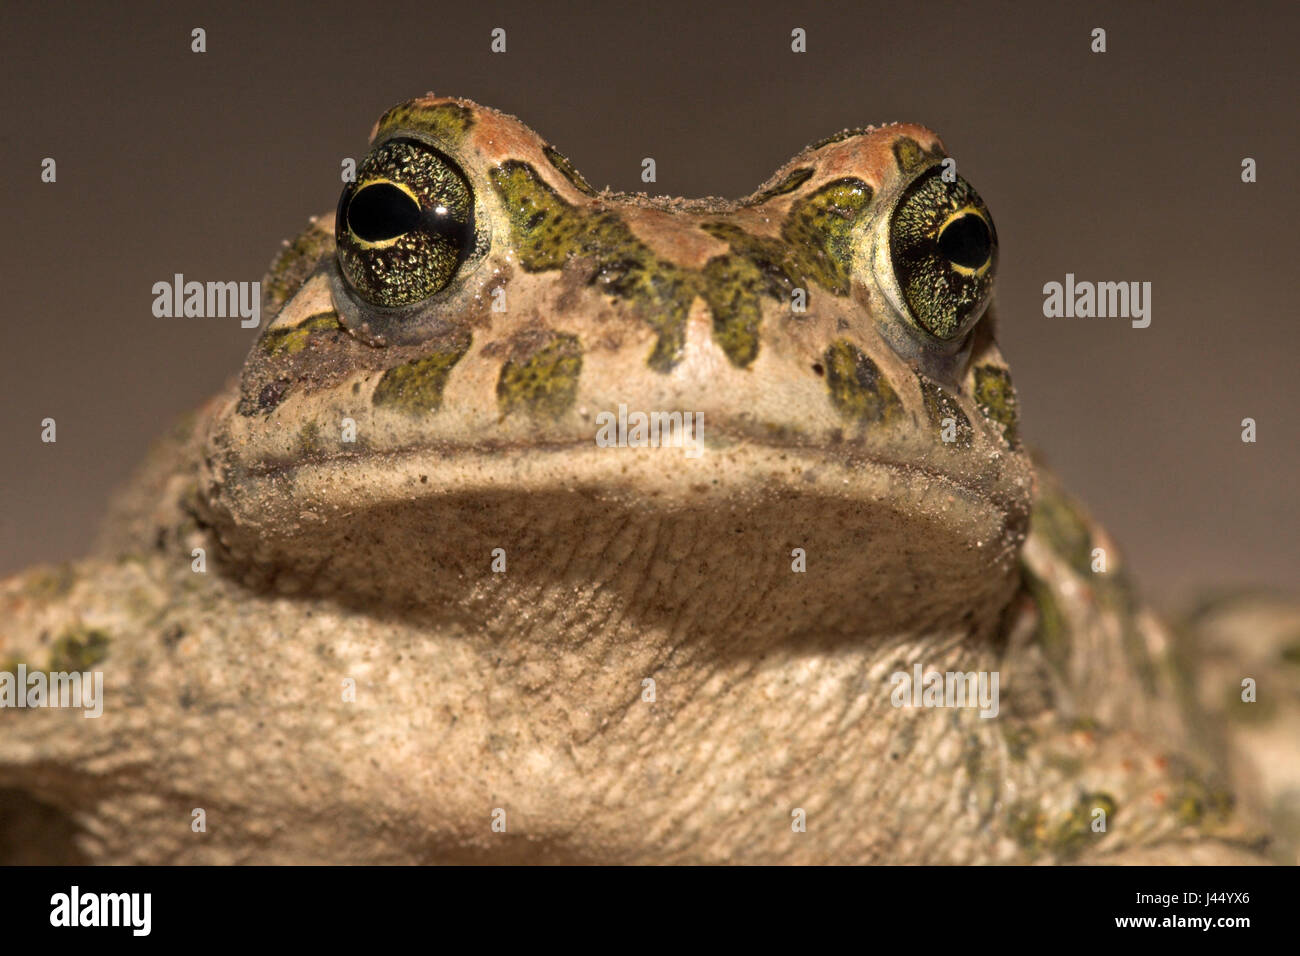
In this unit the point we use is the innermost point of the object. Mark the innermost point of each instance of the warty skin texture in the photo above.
(525, 691)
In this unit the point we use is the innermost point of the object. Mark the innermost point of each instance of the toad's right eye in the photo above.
(944, 252)
(405, 226)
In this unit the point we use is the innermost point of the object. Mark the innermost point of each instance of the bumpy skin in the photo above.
(525, 690)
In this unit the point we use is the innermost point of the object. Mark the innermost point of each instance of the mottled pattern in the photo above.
(1062, 835)
(521, 689)
(566, 169)
(734, 283)
(857, 388)
(911, 156)
(1051, 628)
(269, 396)
(416, 387)
(447, 122)
(995, 397)
(1066, 526)
(545, 381)
(291, 341)
(548, 232)
(1059, 521)
(293, 265)
(79, 649)
(819, 227)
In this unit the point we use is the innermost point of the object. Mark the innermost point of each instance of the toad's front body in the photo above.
(457, 607)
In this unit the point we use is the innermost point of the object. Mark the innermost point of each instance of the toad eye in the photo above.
(943, 247)
(405, 226)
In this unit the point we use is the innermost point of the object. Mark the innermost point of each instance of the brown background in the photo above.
(1123, 166)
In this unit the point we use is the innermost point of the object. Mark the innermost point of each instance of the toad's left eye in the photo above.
(406, 225)
(943, 248)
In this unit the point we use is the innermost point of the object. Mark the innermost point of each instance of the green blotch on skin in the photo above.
(1065, 528)
(568, 170)
(995, 396)
(910, 156)
(78, 649)
(293, 265)
(788, 184)
(416, 387)
(1051, 633)
(276, 342)
(446, 122)
(546, 383)
(734, 286)
(1064, 836)
(819, 231)
(736, 281)
(857, 388)
(1028, 827)
(940, 405)
(309, 439)
(1291, 653)
(549, 231)
(1196, 803)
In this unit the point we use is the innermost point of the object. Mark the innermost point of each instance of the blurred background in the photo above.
(1117, 166)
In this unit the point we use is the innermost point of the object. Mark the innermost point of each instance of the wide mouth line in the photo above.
(448, 452)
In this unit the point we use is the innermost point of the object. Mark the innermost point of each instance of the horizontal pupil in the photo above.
(381, 212)
(966, 241)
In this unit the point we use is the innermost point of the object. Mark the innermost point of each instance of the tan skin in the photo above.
(432, 602)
